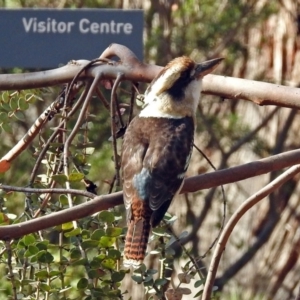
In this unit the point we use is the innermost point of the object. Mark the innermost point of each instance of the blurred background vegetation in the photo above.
(260, 40)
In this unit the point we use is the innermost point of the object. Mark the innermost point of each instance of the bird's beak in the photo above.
(207, 67)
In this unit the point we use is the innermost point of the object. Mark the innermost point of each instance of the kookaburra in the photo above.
(157, 147)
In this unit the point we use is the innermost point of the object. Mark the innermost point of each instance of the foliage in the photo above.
(83, 260)
(81, 265)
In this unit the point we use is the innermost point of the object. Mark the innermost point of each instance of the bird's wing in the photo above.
(155, 156)
(168, 159)
(135, 146)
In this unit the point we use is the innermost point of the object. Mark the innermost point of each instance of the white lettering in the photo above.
(128, 28)
(70, 25)
(94, 28)
(104, 26)
(27, 24)
(85, 26)
(112, 26)
(83, 29)
(48, 26)
(61, 27)
(52, 24)
(119, 25)
(41, 27)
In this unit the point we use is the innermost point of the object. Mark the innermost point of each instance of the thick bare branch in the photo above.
(234, 174)
(261, 93)
(191, 184)
(97, 204)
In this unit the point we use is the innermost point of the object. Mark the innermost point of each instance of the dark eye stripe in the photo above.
(178, 88)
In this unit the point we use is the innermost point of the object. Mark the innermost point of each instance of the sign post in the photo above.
(47, 38)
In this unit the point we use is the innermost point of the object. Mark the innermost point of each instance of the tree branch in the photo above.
(80, 211)
(191, 184)
(250, 202)
(261, 93)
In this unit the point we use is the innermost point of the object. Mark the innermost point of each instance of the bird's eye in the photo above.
(185, 75)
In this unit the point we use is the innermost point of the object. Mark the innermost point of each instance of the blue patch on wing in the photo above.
(141, 183)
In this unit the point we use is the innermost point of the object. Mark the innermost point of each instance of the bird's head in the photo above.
(175, 91)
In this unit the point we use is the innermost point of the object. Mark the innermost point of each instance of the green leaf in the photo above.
(199, 283)
(93, 274)
(137, 278)
(5, 97)
(5, 106)
(33, 249)
(13, 103)
(74, 232)
(3, 117)
(113, 253)
(54, 273)
(170, 219)
(67, 226)
(42, 245)
(63, 199)
(19, 115)
(151, 271)
(106, 216)
(45, 287)
(4, 220)
(23, 105)
(172, 240)
(106, 241)
(89, 150)
(82, 284)
(113, 231)
(75, 177)
(60, 178)
(117, 276)
(161, 231)
(89, 244)
(43, 274)
(86, 169)
(85, 234)
(161, 281)
(64, 290)
(116, 294)
(75, 254)
(79, 159)
(45, 257)
(95, 263)
(108, 263)
(29, 239)
(80, 262)
(97, 234)
(141, 269)
(6, 127)
(148, 281)
(184, 291)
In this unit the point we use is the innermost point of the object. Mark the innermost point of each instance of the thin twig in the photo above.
(10, 268)
(250, 202)
(10, 188)
(103, 99)
(113, 125)
(224, 206)
(74, 132)
(133, 90)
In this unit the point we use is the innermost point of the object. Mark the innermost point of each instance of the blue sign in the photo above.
(48, 38)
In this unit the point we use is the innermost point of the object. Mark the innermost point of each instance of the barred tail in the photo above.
(136, 242)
